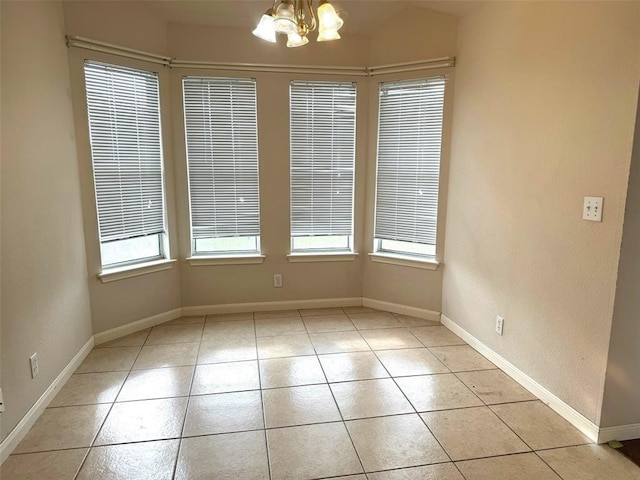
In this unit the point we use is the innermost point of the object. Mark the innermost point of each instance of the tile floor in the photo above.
(349, 393)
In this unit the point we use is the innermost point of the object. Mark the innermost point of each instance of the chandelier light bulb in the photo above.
(285, 18)
(295, 40)
(328, 18)
(265, 29)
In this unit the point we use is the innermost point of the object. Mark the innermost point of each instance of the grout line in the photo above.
(186, 409)
(264, 414)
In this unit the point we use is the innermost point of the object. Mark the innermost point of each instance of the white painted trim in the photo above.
(398, 308)
(567, 412)
(202, 261)
(619, 432)
(18, 433)
(135, 270)
(134, 327)
(321, 257)
(404, 260)
(268, 306)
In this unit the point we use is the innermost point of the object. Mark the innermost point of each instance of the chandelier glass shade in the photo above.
(296, 19)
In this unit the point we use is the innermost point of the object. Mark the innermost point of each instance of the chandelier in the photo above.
(295, 19)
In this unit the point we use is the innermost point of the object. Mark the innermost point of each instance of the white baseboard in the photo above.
(134, 327)
(269, 306)
(17, 434)
(567, 412)
(405, 310)
(619, 432)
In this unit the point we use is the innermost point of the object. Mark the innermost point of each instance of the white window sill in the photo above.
(307, 257)
(114, 274)
(203, 261)
(404, 260)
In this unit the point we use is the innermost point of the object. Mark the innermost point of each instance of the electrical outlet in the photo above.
(1, 402)
(499, 324)
(592, 209)
(277, 280)
(33, 361)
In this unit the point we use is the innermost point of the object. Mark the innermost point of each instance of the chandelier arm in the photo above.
(314, 23)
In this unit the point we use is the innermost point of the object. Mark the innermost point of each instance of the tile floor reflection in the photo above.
(342, 393)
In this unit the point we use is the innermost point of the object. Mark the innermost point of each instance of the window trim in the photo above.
(134, 270)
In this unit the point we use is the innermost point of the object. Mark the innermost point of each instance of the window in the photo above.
(409, 143)
(323, 122)
(222, 157)
(126, 149)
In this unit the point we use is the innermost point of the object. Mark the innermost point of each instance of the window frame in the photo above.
(216, 257)
(114, 270)
(401, 256)
(323, 251)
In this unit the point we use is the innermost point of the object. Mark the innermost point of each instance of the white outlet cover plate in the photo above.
(592, 209)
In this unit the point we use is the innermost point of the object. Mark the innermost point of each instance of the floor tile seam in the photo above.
(537, 454)
(104, 420)
(395, 469)
(264, 414)
(186, 410)
(344, 425)
(413, 406)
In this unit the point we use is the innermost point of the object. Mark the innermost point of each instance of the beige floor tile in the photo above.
(143, 420)
(223, 413)
(338, 342)
(351, 477)
(328, 323)
(162, 334)
(228, 350)
(59, 465)
(437, 392)
(437, 336)
(390, 338)
(394, 442)
(442, 471)
(370, 398)
(232, 456)
(409, 321)
(538, 425)
(284, 346)
(370, 320)
(350, 310)
(311, 451)
(276, 314)
(590, 462)
(109, 360)
(415, 361)
(290, 372)
(139, 461)
(225, 377)
(461, 358)
(227, 329)
(221, 317)
(136, 339)
(89, 388)
(284, 407)
(270, 327)
(345, 367)
(473, 433)
(525, 466)
(64, 427)
(313, 312)
(172, 355)
(157, 383)
(196, 319)
(494, 386)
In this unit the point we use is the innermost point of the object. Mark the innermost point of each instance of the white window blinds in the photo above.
(126, 148)
(222, 156)
(409, 144)
(323, 122)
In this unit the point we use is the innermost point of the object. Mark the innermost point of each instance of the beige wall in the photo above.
(45, 302)
(124, 301)
(543, 116)
(622, 388)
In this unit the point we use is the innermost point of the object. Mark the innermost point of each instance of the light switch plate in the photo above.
(592, 209)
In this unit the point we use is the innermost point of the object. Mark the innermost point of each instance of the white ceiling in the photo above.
(361, 16)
